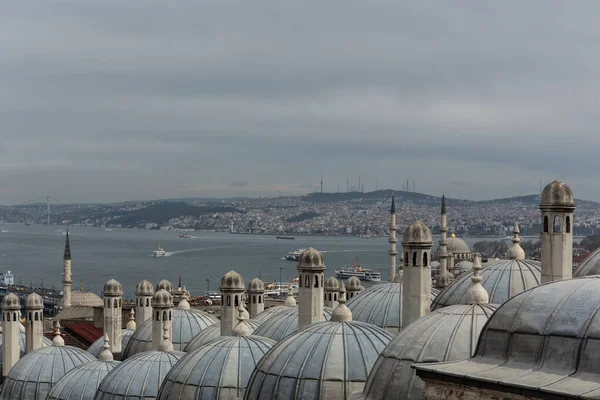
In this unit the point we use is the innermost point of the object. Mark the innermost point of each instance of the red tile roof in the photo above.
(85, 330)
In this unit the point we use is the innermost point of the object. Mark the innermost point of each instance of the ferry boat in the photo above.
(276, 289)
(285, 237)
(158, 252)
(294, 255)
(364, 274)
(185, 236)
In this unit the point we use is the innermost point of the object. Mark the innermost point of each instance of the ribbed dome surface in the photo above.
(165, 285)
(112, 288)
(328, 360)
(22, 343)
(34, 375)
(256, 285)
(218, 370)
(557, 193)
(331, 284)
(311, 259)
(33, 301)
(144, 288)
(11, 301)
(544, 340)
(589, 266)
(186, 325)
(138, 377)
(214, 332)
(449, 334)
(96, 348)
(81, 382)
(502, 279)
(380, 305)
(232, 281)
(269, 312)
(417, 232)
(284, 323)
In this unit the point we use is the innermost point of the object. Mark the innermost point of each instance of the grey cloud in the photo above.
(238, 184)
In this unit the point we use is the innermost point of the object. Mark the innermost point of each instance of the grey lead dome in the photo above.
(96, 348)
(214, 332)
(284, 323)
(81, 382)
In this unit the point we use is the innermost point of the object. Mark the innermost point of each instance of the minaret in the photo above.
(131, 325)
(113, 315)
(515, 252)
(143, 302)
(416, 284)
(34, 329)
(444, 276)
(332, 288)
(476, 294)
(256, 297)
(162, 304)
(310, 289)
(392, 252)
(11, 332)
(232, 294)
(67, 281)
(557, 206)
(341, 313)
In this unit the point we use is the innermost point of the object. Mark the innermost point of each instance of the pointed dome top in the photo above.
(144, 288)
(105, 354)
(557, 194)
(417, 233)
(476, 294)
(183, 304)
(515, 252)
(11, 302)
(341, 313)
(256, 285)
(232, 281)
(393, 210)
(164, 284)
(34, 302)
(311, 259)
(58, 340)
(241, 328)
(443, 204)
(67, 255)
(113, 288)
(131, 323)
(290, 301)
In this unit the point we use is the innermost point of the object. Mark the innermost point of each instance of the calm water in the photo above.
(34, 254)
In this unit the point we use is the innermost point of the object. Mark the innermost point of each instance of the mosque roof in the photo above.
(81, 382)
(589, 266)
(448, 334)
(327, 360)
(464, 265)
(214, 332)
(33, 376)
(269, 312)
(502, 279)
(83, 299)
(543, 341)
(380, 305)
(138, 377)
(284, 323)
(217, 370)
(186, 325)
(96, 347)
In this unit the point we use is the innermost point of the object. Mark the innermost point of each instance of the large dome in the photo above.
(502, 279)
(589, 266)
(84, 299)
(81, 382)
(33, 376)
(186, 325)
(327, 360)
(138, 377)
(269, 312)
(218, 370)
(448, 334)
(283, 323)
(457, 246)
(542, 342)
(96, 348)
(380, 305)
(214, 332)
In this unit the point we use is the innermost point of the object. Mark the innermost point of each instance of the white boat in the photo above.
(108, 229)
(294, 255)
(276, 289)
(158, 252)
(364, 274)
(4, 230)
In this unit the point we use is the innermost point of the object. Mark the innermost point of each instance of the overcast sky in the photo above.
(123, 100)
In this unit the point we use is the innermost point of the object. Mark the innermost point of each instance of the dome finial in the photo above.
(166, 344)
(241, 329)
(516, 252)
(131, 324)
(341, 313)
(290, 301)
(58, 340)
(477, 294)
(106, 355)
(183, 304)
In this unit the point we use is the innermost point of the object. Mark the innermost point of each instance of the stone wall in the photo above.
(436, 390)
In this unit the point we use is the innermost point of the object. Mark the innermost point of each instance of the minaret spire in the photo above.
(67, 281)
(393, 252)
(67, 255)
(444, 277)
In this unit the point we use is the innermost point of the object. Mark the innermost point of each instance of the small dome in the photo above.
(502, 279)
(11, 302)
(96, 348)
(457, 246)
(332, 284)
(417, 232)
(464, 266)
(81, 382)
(256, 285)
(232, 281)
(311, 259)
(284, 323)
(269, 312)
(557, 193)
(186, 325)
(34, 302)
(380, 305)
(327, 360)
(589, 266)
(144, 288)
(214, 332)
(84, 299)
(353, 284)
(138, 377)
(543, 340)
(33, 376)
(217, 370)
(165, 285)
(162, 298)
(112, 288)
(449, 334)
(435, 265)
(22, 343)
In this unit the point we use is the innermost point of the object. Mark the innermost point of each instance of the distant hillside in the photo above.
(163, 212)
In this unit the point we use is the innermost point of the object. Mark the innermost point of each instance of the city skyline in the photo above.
(105, 102)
